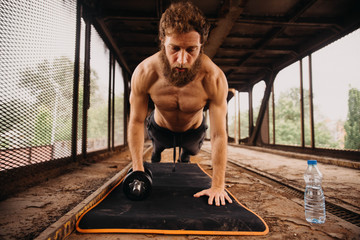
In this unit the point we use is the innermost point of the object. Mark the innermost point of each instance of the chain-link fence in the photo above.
(37, 45)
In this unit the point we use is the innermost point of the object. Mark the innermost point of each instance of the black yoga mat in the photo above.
(171, 208)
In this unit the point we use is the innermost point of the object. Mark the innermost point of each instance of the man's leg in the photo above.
(159, 137)
(156, 154)
(191, 143)
(185, 156)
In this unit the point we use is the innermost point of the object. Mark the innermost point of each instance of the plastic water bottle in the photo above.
(314, 196)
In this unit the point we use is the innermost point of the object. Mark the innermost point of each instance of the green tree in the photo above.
(10, 116)
(352, 124)
(50, 85)
(288, 121)
(119, 119)
(244, 125)
(98, 111)
(12, 121)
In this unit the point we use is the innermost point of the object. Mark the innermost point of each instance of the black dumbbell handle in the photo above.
(137, 187)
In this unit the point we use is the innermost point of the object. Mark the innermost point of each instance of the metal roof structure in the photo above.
(248, 40)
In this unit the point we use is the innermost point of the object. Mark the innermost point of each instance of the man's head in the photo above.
(183, 31)
(183, 17)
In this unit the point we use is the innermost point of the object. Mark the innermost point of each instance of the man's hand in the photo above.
(217, 194)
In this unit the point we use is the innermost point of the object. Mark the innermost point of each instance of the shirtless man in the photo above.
(181, 80)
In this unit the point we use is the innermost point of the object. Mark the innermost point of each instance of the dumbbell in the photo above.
(137, 185)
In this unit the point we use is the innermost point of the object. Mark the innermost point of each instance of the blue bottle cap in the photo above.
(312, 162)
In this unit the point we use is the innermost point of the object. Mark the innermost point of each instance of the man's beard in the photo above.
(179, 78)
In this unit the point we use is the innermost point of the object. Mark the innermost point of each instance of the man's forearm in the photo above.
(136, 144)
(219, 159)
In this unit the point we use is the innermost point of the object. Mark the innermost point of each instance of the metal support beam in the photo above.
(86, 97)
(113, 104)
(251, 113)
(302, 105)
(109, 102)
(255, 133)
(239, 117)
(103, 30)
(294, 14)
(236, 117)
(75, 103)
(273, 112)
(223, 27)
(312, 129)
(126, 113)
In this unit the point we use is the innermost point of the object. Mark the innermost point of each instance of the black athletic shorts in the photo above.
(189, 141)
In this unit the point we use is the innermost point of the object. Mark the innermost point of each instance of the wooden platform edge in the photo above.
(66, 224)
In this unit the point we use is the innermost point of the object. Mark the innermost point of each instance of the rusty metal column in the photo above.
(86, 97)
(273, 111)
(239, 116)
(126, 113)
(253, 138)
(75, 106)
(113, 104)
(109, 102)
(251, 115)
(311, 105)
(302, 105)
(235, 123)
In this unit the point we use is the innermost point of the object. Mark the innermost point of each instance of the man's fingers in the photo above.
(222, 200)
(199, 194)
(228, 198)
(217, 198)
(210, 201)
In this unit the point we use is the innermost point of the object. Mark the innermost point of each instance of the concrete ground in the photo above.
(27, 214)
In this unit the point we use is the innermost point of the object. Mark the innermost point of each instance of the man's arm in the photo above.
(138, 111)
(217, 112)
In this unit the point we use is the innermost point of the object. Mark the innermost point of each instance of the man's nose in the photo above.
(182, 58)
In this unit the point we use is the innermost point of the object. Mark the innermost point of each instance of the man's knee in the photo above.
(156, 154)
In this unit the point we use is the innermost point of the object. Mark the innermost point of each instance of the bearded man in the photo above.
(180, 79)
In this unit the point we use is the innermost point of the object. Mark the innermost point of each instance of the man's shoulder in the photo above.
(148, 69)
(214, 80)
(213, 73)
(149, 64)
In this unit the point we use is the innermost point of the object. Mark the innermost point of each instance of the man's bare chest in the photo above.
(188, 99)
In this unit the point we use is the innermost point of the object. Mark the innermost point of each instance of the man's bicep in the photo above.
(217, 113)
(138, 98)
(138, 106)
(218, 107)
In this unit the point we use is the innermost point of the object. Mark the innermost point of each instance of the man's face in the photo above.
(180, 55)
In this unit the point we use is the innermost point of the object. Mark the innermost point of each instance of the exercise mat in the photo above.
(171, 208)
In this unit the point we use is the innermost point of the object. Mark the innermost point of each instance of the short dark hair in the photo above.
(183, 17)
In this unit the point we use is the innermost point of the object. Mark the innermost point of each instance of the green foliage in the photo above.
(50, 84)
(98, 121)
(42, 127)
(352, 124)
(119, 119)
(10, 114)
(45, 116)
(287, 115)
(12, 121)
(244, 125)
(288, 121)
